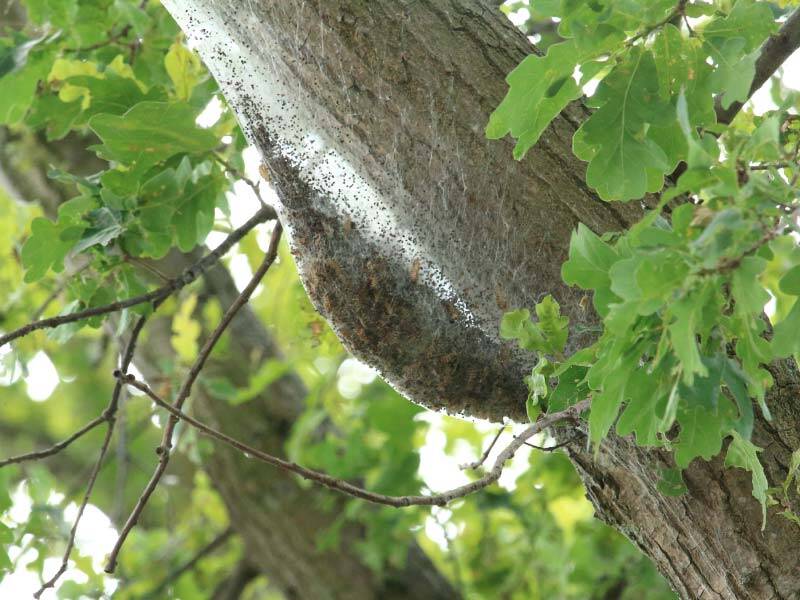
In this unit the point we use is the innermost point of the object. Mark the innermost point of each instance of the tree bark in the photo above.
(413, 234)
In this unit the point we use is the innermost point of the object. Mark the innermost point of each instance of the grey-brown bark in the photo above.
(370, 117)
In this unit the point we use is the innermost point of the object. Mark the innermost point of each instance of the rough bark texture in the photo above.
(414, 234)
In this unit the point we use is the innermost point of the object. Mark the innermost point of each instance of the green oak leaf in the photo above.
(614, 139)
(548, 335)
(517, 325)
(733, 41)
(700, 436)
(750, 295)
(785, 339)
(671, 483)
(736, 382)
(790, 282)
(19, 87)
(59, 14)
(554, 327)
(570, 388)
(590, 259)
(606, 404)
(744, 454)
(539, 89)
(45, 249)
(641, 412)
(688, 313)
(151, 132)
(194, 214)
(705, 389)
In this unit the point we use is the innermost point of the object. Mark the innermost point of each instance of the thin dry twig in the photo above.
(441, 499)
(165, 448)
(55, 448)
(109, 416)
(236, 173)
(554, 447)
(266, 213)
(474, 465)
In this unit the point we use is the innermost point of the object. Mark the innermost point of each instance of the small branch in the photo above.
(442, 499)
(773, 54)
(106, 42)
(266, 213)
(165, 448)
(474, 465)
(770, 166)
(57, 291)
(677, 12)
(727, 264)
(191, 563)
(89, 487)
(109, 416)
(553, 448)
(55, 448)
(237, 173)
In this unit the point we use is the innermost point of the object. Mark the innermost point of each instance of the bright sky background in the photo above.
(96, 536)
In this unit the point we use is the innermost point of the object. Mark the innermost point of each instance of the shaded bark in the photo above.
(414, 234)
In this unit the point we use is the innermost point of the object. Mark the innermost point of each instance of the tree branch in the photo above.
(474, 465)
(55, 448)
(109, 416)
(339, 485)
(773, 54)
(266, 213)
(166, 441)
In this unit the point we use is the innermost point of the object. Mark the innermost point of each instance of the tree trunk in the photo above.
(413, 234)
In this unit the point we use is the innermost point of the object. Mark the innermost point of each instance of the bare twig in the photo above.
(89, 487)
(166, 441)
(442, 499)
(553, 448)
(266, 213)
(237, 173)
(773, 54)
(55, 448)
(191, 563)
(109, 416)
(474, 465)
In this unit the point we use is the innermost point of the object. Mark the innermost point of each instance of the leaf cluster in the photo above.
(681, 295)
